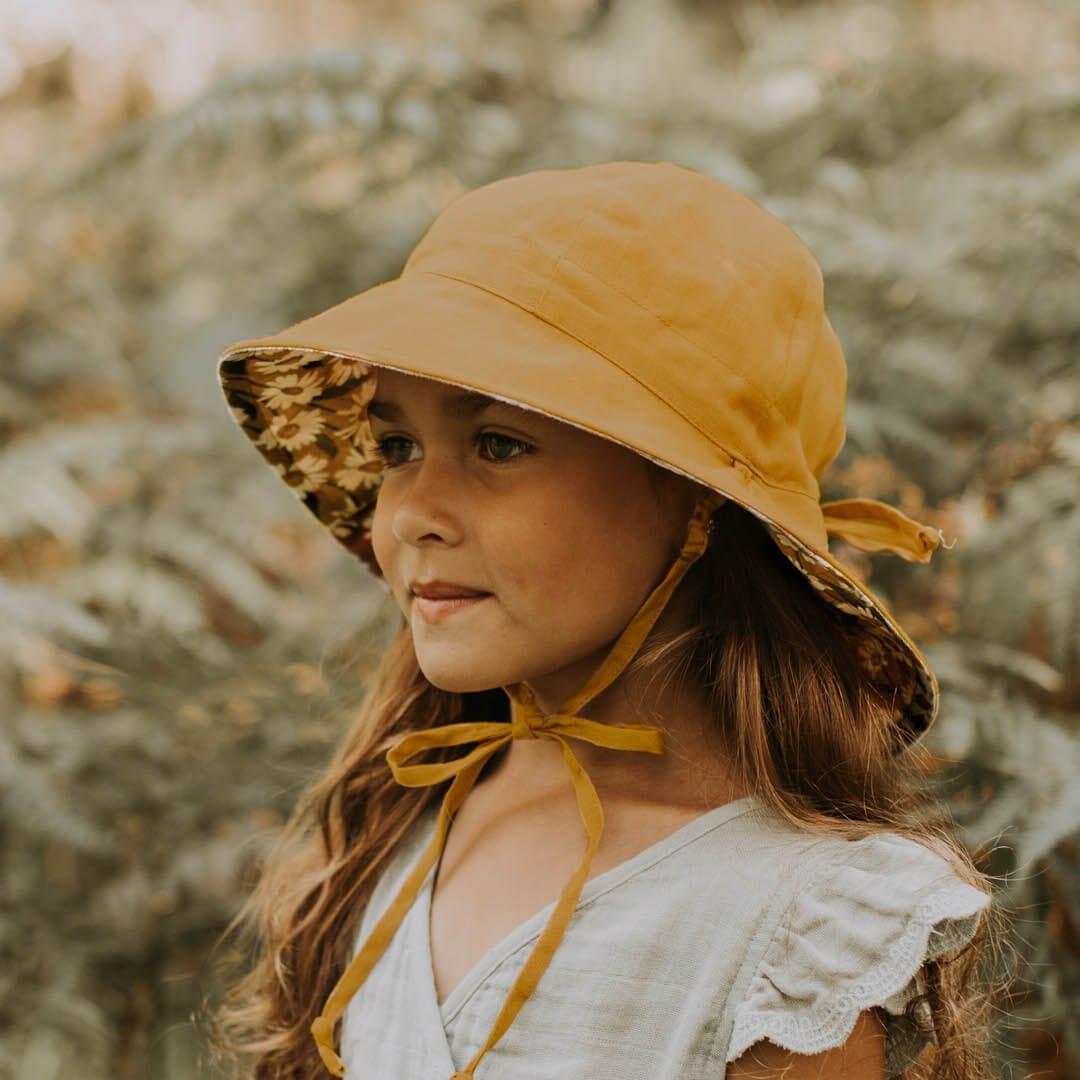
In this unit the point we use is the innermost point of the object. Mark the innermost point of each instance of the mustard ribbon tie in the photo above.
(491, 736)
(873, 525)
(526, 722)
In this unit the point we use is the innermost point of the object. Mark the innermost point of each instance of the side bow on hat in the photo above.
(876, 526)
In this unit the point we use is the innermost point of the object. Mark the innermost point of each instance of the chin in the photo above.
(459, 678)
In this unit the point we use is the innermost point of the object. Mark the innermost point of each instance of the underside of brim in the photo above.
(306, 413)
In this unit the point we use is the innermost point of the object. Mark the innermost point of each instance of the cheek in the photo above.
(575, 574)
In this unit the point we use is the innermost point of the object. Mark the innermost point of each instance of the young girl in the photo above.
(667, 825)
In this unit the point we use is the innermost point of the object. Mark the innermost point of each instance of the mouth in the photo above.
(436, 609)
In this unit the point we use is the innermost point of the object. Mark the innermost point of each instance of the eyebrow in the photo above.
(462, 405)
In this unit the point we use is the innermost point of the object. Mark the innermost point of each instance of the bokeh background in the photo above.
(181, 643)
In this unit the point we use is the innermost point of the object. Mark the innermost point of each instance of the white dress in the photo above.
(733, 928)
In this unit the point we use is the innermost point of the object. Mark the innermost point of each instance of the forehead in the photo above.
(400, 382)
(394, 391)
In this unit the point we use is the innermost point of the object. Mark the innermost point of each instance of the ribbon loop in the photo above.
(641, 737)
(410, 745)
(873, 525)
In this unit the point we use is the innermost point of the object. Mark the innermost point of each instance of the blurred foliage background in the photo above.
(180, 642)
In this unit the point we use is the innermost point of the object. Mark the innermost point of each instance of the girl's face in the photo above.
(566, 530)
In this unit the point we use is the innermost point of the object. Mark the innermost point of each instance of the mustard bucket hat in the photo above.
(644, 302)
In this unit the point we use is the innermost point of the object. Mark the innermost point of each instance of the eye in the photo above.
(506, 441)
(385, 452)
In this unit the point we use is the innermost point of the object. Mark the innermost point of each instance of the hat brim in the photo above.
(301, 398)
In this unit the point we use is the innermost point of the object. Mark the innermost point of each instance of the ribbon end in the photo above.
(322, 1028)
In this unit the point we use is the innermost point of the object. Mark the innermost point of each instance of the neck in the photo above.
(687, 773)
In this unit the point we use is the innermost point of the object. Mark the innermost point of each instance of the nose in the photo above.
(424, 504)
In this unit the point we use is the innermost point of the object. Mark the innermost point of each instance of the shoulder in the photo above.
(863, 918)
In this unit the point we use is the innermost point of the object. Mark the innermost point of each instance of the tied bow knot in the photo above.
(521, 726)
(527, 722)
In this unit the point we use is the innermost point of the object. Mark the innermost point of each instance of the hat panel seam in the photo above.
(550, 281)
(734, 459)
(790, 341)
(759, 391)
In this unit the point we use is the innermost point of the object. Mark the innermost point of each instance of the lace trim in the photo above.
(828, 1022)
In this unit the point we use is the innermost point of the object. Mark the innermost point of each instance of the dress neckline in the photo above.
(530, 929)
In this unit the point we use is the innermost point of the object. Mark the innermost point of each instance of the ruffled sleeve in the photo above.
(867, 916)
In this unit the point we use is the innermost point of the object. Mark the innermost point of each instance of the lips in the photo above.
(445, 590)
(435, 611)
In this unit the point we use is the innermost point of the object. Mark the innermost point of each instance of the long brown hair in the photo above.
(800, 725)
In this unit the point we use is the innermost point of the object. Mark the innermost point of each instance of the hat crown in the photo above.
(638, 259)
